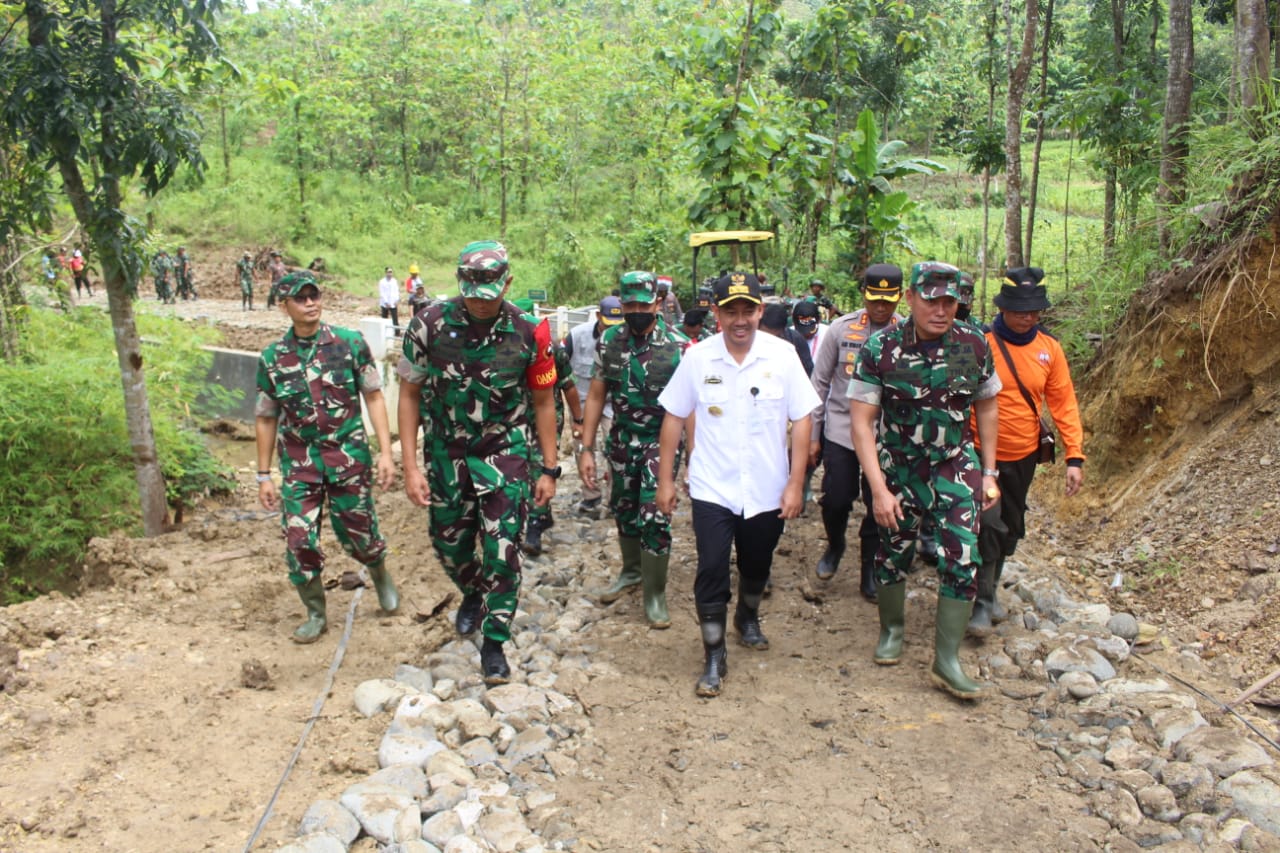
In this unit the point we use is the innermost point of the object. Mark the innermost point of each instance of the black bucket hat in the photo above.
(1022, 290)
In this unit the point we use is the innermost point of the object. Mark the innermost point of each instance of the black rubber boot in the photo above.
(493, 663)
(532, 544)
(834, 521)
(312, 595)
(980, 621)
(746, 619)
(469, 613)
(867, 568)
(998, 613)
(712, 624)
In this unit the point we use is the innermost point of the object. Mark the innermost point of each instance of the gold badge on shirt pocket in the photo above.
(715, 411)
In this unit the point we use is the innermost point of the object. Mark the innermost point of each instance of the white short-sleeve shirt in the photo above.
(740, 459)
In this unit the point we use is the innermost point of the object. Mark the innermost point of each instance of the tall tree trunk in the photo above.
(986, 232)
(1108, 210)
(1176, 144)
(226, 147)
(402, 115)
(1253, 52)
(97, 218)
(502, 149)
(1013, 138)
(299, 163)
(1066, 213)
(11, 300)
(1033, 196)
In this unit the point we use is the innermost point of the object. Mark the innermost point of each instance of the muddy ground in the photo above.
(136, 716)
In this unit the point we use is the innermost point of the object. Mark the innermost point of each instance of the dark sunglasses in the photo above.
(304, 298)
(482, 276)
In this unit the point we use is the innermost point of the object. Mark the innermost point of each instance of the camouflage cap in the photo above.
(293, 284)
(934, 280)
(966, 288)
(483, 270)
(638, 286)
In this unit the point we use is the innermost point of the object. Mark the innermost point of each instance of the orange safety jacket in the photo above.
(1042, 367)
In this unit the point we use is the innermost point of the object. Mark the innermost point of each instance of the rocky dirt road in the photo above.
(158, 710)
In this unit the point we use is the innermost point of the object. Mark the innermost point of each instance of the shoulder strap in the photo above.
(1026, 395)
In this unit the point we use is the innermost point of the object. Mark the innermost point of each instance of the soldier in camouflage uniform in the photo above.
(695, 326)
(470, 368)
(183, 273)
(309, 388)
(918, 381)
(818, 295)
(244, 268)
(633, 364)
(566, 392)
(161, 266)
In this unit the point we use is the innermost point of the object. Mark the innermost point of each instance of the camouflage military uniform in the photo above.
(564, 379)
(313, 387)
(161, 266)
(924, 390)
(476, 416)
(244, 267)
(182, 272)
(635, 372)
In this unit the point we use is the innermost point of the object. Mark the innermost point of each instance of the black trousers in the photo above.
(1006, 522)
(394, 313)
(841, 478)
(716, 530)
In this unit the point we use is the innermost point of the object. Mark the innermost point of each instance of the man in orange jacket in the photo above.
(1033, 371)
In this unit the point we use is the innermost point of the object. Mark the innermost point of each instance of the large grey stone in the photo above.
(1123, 625)
(478, 751)
(386, 812)
(1080, 685)
(1117, 807)
(439, 828)
(407, 748)
(1183, 776)
(503, 829)
(1159, 803)
(418, 679)
(377, 695)
(1079, 659)
(1173, 724)
(529, 743)
(1222, 751)
(474, 720)
(512, 698)
(316, 842)
(410, 778)
(1256, 797)
(330, 816)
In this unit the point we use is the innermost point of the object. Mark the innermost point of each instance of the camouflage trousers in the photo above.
(632, 495)
(163, 293)
(535, 461)
(947, 494)
(351, 514)
(186, 289)
(476, 524)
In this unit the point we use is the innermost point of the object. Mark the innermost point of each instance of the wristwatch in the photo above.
(553, 473)
(263, 476)
(990, 472)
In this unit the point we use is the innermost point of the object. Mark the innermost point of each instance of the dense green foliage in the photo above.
(67, 471)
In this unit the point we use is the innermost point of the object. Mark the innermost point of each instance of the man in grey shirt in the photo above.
(832, 438)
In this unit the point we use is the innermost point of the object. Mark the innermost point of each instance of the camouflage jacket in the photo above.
(182, 267)
(924, 389)
(476, 380)
(564, 379)
(245, 267)
(635, 372)
(313, 387)
(161, 265)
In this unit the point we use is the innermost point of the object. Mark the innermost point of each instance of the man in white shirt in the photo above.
(742, 389)
(389, 298)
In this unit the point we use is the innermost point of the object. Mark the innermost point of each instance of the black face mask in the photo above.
(639, 322)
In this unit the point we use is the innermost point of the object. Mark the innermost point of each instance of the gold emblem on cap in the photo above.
(884, 282)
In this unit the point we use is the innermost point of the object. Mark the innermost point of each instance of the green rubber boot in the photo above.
(653, 573)
(388, 595)
(891, 599)
(312, 595)
(630, 575)
(953, 616)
